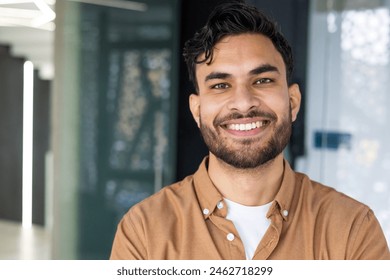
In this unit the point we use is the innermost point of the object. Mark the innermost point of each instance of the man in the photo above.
(245, 202)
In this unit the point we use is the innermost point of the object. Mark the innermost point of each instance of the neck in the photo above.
(251, 187)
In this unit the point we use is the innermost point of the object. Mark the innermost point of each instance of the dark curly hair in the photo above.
(233, 19)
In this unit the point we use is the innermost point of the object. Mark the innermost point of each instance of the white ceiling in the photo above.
(28, 28)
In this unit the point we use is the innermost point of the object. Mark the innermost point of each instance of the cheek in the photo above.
(209, 109)
(278, 104)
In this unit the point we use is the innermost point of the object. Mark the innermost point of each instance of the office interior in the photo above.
(94, 111)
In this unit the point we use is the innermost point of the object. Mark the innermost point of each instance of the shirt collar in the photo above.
(209, 196)
(284, 197)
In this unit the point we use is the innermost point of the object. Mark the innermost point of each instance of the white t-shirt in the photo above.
(251, 223)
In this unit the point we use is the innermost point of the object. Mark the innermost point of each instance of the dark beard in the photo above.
(254, 153)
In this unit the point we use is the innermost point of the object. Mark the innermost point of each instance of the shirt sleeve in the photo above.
(368, 241)
(128, 242)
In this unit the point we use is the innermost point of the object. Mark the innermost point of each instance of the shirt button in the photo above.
(206, 211)
(220, 205)
(285, 213)
(230, 236)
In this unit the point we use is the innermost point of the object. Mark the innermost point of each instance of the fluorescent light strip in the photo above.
(19, 13)
(28, 110)
(47, 14)
(7, 2)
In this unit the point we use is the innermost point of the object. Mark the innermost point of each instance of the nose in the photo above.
(242, 99)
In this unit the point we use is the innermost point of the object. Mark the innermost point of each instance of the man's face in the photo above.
(244, 107)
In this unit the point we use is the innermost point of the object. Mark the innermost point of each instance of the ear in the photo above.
(195, 107)
(295, 100)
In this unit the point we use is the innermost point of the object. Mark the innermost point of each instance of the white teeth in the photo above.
(246, 127)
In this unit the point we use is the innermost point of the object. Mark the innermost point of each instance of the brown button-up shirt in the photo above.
(187, 220)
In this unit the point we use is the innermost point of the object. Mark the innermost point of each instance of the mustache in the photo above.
(251, 114)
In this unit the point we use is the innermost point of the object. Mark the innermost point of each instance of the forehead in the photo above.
(238, 54)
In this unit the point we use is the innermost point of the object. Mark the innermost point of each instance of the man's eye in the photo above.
(263, 81)
(220, 86)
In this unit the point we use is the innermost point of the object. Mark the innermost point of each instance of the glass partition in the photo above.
(349, 99)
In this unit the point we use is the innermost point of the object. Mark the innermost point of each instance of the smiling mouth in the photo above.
(246, 126)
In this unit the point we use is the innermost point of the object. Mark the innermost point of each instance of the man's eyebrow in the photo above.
(256, 71)
(217, 75)
(264, 68)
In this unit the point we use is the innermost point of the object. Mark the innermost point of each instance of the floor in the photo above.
(17, 243)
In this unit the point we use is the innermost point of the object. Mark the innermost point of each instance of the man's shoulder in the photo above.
(329, 197)
(169, 198)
